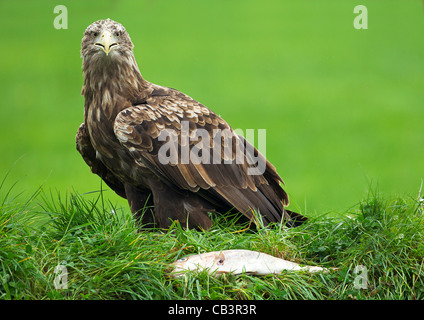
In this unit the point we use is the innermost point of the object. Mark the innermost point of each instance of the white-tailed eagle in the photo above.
(169, 155)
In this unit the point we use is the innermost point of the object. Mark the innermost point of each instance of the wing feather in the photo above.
(225, 176)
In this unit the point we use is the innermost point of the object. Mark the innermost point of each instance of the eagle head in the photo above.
(105, 39)
(109, 66)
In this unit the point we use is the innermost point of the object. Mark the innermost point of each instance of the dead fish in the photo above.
(238, 262)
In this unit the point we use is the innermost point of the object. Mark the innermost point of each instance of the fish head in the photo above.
(211, 261)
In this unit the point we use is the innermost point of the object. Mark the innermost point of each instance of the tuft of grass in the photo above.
(378, 247)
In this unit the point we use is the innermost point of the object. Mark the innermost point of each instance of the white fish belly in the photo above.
(238, 262)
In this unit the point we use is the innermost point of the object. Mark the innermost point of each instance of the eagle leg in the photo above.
(179, 205)
(141, 204)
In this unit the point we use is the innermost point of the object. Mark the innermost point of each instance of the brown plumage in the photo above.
(122, 140)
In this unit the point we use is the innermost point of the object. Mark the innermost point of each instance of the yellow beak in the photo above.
(106, 41)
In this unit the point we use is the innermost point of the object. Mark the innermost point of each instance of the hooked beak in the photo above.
(106, 41)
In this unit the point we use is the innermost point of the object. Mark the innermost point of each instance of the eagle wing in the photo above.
(86, 149)
(202, 154)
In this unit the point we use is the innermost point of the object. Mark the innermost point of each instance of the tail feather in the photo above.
(295, 219)
(271, 209)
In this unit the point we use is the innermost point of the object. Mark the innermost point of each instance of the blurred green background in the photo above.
(343, 108)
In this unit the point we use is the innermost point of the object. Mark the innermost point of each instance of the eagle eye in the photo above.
(95, 34)
(117, 33)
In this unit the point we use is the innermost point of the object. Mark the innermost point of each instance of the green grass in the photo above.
(107, 259)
